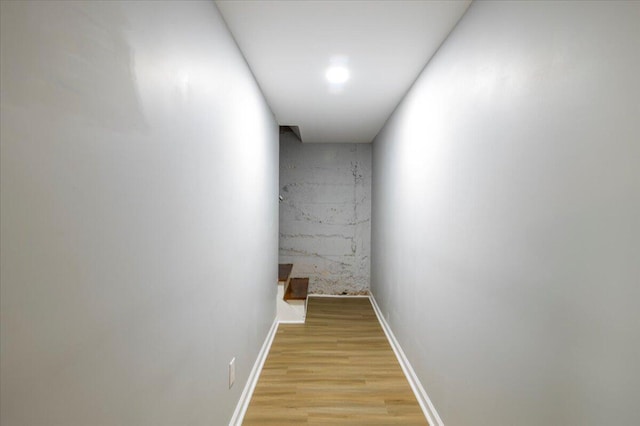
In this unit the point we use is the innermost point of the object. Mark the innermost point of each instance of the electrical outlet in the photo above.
(232, 372)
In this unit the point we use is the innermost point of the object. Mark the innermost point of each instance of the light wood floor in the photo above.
(337, 368)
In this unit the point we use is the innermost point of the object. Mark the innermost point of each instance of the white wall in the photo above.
(325, 214)
(139, 214)
(506, 217)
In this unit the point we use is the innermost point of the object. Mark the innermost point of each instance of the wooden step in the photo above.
(284, 270)
(297, 289)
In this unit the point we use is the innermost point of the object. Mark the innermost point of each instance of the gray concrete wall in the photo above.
(325, 213)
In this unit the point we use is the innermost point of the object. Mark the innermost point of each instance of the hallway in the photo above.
(337, 368)
(474, 166)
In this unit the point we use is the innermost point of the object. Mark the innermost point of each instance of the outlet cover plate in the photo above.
(232, 372)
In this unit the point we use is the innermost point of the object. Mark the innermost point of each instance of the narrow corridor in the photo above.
(337, 368)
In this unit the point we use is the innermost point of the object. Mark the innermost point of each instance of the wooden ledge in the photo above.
(297, 289)
(284, 270)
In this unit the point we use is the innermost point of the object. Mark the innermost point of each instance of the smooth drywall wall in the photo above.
(325, 213)
(139, 214)
(506, 217)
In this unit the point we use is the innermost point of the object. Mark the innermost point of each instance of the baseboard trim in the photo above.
(421, 394)
(252, 381)
(337, 295)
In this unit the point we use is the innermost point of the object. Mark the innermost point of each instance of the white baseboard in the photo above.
(337, 295)
(247, 392)
(421, 395)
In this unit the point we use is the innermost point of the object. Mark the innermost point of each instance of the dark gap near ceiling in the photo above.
(293, 129)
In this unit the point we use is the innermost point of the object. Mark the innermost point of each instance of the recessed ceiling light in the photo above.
(337, 75)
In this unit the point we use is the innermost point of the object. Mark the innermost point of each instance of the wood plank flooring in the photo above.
(337, 368)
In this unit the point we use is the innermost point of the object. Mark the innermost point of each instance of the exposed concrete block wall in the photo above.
(325, 213)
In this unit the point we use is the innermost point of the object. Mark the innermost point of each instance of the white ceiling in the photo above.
(289, 46)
